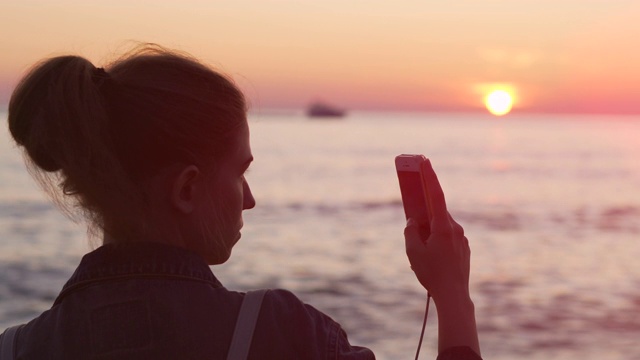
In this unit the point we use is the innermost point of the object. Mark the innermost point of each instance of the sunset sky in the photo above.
(551, 55)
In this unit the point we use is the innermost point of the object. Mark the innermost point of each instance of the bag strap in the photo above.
(8, 341)
(246, 323)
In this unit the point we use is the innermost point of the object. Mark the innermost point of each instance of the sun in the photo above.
(499, 102)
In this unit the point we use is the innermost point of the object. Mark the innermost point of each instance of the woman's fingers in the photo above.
(437, 205)
(458, 230)
(416, 251)
(414, 243)
(441, 220)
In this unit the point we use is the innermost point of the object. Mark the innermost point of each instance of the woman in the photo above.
(152, 152)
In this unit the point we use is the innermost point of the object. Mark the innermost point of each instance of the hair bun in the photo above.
(55, 111)
(33, 138)
(42, 157)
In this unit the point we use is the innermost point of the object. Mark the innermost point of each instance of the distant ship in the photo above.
(317, 110)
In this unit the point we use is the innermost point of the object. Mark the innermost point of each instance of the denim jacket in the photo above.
(155, 301)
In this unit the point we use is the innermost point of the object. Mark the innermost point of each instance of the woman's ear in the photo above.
(184, 189)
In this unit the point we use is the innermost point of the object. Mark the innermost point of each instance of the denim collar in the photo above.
(140, 259)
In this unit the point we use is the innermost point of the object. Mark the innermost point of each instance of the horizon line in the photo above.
(293, 110)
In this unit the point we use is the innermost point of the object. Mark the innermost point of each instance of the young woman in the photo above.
(152, 152)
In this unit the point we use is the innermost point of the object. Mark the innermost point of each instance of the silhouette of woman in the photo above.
(152, 152)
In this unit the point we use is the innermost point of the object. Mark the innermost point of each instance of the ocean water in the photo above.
(550, 203)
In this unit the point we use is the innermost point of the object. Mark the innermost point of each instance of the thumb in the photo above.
(414, 244)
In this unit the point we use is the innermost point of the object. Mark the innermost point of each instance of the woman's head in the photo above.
(111, 144)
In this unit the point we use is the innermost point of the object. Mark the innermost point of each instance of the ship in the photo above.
(322, 110)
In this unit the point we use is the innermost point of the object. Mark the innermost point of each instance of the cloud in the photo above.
(513, 58)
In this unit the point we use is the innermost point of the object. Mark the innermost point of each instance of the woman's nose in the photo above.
(248, 200)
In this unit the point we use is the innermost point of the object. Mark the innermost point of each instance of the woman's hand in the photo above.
(440, 259)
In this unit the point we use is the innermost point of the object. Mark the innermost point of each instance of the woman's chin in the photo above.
(218, 257)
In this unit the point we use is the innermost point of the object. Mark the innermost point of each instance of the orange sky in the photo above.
(554, 55)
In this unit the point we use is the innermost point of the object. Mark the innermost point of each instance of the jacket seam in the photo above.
(86, 283)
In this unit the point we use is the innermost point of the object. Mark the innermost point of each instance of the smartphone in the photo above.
(414, 194)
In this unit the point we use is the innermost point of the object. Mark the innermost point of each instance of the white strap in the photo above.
(246, 323)
(8, 340)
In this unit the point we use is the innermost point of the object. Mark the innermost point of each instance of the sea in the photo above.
(550, 204)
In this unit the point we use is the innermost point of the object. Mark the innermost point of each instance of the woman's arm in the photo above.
(440, 259)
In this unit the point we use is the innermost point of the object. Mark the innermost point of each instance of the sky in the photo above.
(567, 56)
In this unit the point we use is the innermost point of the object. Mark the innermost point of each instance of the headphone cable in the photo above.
(424, 325)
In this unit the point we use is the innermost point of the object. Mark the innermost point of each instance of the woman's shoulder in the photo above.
(304, 328)
(282, 298)
(282, 302)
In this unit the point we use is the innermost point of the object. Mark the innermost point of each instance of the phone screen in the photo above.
(413, 196)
